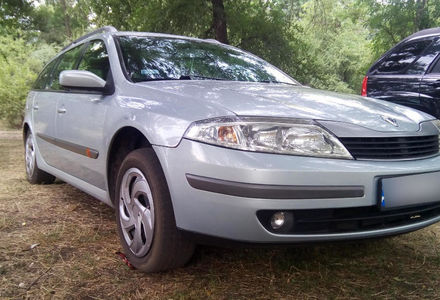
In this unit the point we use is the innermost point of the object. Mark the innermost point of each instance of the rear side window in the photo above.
(67, 62)
(402, 57)
(43, 79)
(421, 65)
(95, 59)
(436, 68)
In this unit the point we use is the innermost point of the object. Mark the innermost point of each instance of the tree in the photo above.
(337, 49)
(219, 21)
(20, 63)
(61, 21)
(14, 14)
(392, 20)
(189, 17)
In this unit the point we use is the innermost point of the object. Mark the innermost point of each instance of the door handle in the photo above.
(62, 110)
(35, 107)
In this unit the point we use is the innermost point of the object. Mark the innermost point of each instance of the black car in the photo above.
(409, 73)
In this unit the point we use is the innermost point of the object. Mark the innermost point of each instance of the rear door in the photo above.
(81, 121)
(44, 113)
(397, 77)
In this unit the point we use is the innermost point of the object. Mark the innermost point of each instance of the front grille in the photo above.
(392, 147)
(342, 220)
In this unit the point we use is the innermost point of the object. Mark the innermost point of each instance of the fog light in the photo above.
(278, 220)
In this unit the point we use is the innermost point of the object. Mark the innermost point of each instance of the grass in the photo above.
(76, 244)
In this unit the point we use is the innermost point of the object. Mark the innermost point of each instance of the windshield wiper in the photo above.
(183, 77)
(195, 77)
(273, 81)
(156, 79)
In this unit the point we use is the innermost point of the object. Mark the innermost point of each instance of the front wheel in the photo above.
(145, 217)
(33, 173)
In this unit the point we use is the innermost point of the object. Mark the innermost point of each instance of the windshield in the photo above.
(159, 58)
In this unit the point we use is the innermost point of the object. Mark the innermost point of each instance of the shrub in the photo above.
(20, 63)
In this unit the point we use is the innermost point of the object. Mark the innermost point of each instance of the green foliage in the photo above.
(14, 14)
(189, 17)
(392, 20)
(337, 49)
(20, 63)
(61, 21)
(326, 44)
(317, 42)
(263, 28)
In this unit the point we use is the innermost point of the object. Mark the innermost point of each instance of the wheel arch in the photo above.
(26, 129)
(124, 140)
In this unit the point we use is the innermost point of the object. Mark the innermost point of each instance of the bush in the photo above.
(20, 63)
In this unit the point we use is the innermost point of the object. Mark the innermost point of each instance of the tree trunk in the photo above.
(420, 20)
(66, 20)
(219, 21)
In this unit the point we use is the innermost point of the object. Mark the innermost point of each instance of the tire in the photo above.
(145, 217)
(33, 173)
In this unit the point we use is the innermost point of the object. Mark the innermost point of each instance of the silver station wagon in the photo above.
(193, 140)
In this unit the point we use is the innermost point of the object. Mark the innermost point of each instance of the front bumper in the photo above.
(312, 183)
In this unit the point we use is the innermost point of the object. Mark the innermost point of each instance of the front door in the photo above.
(80, 122)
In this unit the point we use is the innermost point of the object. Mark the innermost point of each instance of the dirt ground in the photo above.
(73, 240)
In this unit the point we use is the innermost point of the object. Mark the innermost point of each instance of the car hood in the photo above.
(291, 101)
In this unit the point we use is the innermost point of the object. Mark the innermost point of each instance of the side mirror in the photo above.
(81, 80)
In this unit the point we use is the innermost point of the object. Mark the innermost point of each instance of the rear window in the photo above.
(421, 65)
(403, 56)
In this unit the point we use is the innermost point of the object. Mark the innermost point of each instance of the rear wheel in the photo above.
(33, 173)
(145, 217)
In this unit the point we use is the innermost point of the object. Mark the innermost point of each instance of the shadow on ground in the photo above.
(74, 243)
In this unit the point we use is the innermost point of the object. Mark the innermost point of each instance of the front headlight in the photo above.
(297, 137)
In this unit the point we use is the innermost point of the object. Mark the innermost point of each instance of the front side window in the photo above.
(42, 81)
(400, 59)
(152, 58)
(95, 59)
(66, 62)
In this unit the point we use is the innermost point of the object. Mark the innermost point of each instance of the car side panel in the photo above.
(234, 217)
(430, 93)
(399, 89)
(80, 122)
(43, 116)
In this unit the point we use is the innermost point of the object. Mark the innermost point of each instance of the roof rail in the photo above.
(212, 41)
(99, 30)
(424, 32)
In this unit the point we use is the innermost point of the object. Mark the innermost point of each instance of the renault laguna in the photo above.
(191, 139)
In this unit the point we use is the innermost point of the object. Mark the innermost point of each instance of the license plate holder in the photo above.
(408, 190)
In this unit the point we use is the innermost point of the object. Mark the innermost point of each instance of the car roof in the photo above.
(114, 31)
(160, 35)
(424, 32)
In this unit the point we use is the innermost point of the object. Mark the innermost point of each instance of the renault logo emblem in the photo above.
(390, 120)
